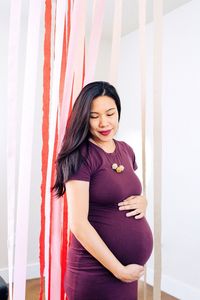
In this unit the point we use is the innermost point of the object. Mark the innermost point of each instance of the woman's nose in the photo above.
(103, 122)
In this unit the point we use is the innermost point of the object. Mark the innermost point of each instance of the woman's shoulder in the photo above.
(124, 145)
(88, 165)
(129, 151)
(90, 153)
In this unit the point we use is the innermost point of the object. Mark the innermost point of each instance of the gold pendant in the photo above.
(117, 168)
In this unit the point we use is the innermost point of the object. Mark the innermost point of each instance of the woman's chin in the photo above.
(106, 138)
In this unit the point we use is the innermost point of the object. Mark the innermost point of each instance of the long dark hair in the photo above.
(77, 131)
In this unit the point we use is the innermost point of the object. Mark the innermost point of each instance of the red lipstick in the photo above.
(106, 132)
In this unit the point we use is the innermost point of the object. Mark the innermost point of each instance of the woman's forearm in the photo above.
(92, 242)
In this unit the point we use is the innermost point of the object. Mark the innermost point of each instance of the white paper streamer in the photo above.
(13, 47)
(157, 137)
(142, 44)
(24, 178)
(60, 17)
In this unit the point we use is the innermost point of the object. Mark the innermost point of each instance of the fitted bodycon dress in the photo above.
(129, 239)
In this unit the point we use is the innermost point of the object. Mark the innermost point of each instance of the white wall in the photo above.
(181, 145)
(3, 76)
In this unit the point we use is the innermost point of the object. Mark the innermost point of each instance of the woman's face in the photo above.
(103, 119)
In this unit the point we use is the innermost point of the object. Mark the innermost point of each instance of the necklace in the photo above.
(117, 167)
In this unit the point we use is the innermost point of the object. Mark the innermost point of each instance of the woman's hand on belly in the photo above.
(137, 205)
(131, 273)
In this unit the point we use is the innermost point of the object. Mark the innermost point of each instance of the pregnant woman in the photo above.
(110, 238)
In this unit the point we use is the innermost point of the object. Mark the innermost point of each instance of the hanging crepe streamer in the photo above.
(64, 61)
(115, 52)
(157, 146)
(142, 44)
(97, 25)
(57, 214)
(65, 231)
(47, 49)
(65, 234)
(65, 209)
(60, 17)
(52, 223)
(26, 139)
(78, 9)
(79, 72)
(64, 224)
(56, 228)
(55, 235)
(13, 47)
(45, 131)
(78, 29)
(78, 56)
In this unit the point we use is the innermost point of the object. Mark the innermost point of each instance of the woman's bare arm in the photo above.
(78, 203)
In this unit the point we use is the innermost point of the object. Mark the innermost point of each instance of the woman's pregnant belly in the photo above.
(129, 239)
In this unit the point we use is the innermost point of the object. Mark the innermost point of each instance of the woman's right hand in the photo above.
(131, 273)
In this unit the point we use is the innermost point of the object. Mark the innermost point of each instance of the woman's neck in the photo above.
(108, 146)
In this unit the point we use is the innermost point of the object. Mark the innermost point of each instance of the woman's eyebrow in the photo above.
(94, 112)
(110, 108)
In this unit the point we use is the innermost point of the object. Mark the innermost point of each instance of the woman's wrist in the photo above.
(119, 271)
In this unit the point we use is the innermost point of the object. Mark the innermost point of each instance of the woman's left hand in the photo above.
(137, 205)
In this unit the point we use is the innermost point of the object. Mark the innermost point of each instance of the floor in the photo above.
(33, 289)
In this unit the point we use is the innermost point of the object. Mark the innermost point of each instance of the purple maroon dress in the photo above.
(129, 239)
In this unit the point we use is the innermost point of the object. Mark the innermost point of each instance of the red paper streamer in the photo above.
(45, 130)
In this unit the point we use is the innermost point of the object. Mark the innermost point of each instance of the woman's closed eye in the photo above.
(95, 117)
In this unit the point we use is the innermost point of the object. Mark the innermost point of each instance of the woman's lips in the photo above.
(106, 132)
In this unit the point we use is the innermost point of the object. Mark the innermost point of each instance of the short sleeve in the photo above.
(135, 166)
(83, 173)
(132, 156)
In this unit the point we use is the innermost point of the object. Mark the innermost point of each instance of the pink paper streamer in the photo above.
(97, 25)
(24, 178)
(78, 56)
(57, 220)
(77, 14)
(115, 52)
(13, 47)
